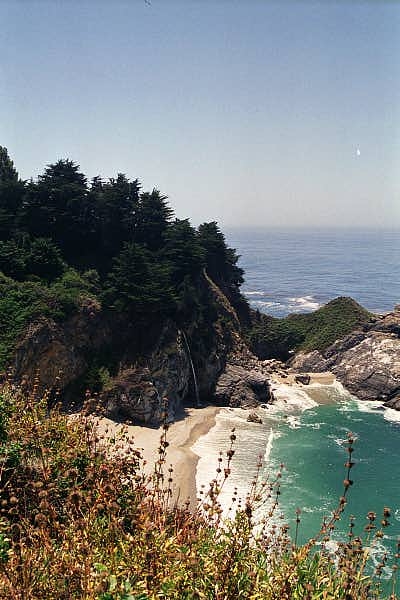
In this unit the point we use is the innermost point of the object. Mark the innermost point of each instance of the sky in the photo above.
(245, 112)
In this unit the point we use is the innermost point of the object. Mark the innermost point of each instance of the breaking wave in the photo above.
(283, 305)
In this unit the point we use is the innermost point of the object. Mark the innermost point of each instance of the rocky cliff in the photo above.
(202, 360)
(367, 361)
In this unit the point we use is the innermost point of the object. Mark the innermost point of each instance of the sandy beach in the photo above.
(323, 378)
(191, 424)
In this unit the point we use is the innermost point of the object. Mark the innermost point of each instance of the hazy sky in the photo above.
(245, 112)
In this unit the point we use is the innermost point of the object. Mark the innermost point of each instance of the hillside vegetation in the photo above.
(80, 519)
(276, 338)
(67, 243)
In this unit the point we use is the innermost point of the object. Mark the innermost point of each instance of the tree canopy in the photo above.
(143, 259)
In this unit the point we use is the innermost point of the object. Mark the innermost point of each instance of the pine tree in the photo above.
(11, 196)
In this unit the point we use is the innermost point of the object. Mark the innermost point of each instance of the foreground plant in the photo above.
(80, 519)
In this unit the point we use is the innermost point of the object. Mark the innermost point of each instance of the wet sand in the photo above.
(324, 378)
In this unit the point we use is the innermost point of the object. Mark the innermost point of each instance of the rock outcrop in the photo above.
(161, 383)
(366, 362)
(209, 361)
(238, 387)
(59, 352)
(254, 418)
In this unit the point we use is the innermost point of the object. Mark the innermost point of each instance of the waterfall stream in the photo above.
(196, 387)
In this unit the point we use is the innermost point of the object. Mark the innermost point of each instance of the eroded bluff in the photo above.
(140, 367)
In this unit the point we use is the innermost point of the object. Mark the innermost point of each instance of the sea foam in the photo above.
(307, 303)
(390, 414)
(290, 398)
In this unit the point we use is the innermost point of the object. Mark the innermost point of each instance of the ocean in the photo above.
(298, 271)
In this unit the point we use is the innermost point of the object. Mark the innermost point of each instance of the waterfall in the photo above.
(196, 387)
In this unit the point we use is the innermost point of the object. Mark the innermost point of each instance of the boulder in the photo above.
(237, 387)
(394, 402)
(254, 418)
(132, 396)
(304, 379)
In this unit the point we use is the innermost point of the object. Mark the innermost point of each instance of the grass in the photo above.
(79, 518)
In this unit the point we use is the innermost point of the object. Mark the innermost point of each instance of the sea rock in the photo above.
(304, 379)
(366, 362)
(237, 387)
(254, 418)
(394, 402)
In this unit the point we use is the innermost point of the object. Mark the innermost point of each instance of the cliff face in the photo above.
(367, 361)
(58, 352)
(183, 363)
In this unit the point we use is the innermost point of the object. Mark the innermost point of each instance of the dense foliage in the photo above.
(81, 518)
(63, 238)
(275, 338)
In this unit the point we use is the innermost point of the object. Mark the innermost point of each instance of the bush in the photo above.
(329, 323)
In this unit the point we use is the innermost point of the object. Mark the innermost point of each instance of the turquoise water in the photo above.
(311, 444)
(297, 271)
(314, 454)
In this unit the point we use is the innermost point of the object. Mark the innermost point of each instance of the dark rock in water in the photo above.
(367, 362)
(238, 387)
(304, 379)
(254, 418)
(394, 402)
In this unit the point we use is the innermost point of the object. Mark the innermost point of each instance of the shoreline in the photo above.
(193, 424)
